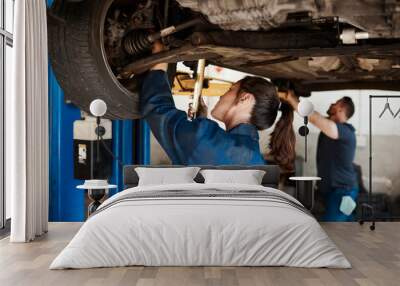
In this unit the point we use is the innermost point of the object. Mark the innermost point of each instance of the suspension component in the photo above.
(139, 41)
(136, 42)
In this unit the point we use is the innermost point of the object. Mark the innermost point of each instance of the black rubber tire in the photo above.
(76, 54)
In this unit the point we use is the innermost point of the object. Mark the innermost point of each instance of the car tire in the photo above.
(77, 56)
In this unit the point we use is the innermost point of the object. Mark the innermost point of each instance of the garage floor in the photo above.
(375, 257)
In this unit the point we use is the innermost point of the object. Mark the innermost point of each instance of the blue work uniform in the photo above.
(196, 142)
(335, 166)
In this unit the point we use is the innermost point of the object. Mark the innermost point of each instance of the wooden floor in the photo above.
(375, 257)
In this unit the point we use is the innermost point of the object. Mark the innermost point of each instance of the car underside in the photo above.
(102, 48)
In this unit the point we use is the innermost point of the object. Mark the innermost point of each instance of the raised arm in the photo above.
(327, 126)
(158, 109)
(178, 136)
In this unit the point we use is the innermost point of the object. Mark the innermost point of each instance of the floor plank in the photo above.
(375, 257)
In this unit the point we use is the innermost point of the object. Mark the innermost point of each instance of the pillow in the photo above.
(166, 176)
(248, 177)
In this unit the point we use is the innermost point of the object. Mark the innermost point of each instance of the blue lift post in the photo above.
(142, 146)
(122, 149)
(131, 144)
(66, 203)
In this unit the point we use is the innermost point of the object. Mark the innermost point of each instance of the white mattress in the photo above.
(202, 231)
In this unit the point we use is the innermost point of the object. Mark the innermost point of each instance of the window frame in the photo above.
(6, 39)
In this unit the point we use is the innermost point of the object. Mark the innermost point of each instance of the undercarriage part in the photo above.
(350, 36)
(265, 41)
(269, 40)
(138, 41)
(326, 64)
(249, 14)
(256, 51)
(392, 9)
(300, 58)
(368, 64)
(127, 20)
(88, 57)
(381, 19)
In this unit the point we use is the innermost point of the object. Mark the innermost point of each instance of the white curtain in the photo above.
(27, 124)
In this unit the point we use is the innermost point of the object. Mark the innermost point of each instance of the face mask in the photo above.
(347, 205)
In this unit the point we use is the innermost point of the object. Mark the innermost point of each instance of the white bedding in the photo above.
(190, 230)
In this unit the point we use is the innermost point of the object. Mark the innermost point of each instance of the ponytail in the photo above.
(283, 140)
(263, 115)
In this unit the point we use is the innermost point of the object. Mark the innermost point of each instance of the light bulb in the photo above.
(305, 108)
(98, 107)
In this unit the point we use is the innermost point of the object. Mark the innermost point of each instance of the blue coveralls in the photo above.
(197, 142)
(335, 167)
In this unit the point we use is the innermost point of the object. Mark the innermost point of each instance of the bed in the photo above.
(198, 224)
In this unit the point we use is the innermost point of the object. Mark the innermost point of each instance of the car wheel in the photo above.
(85, 40)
